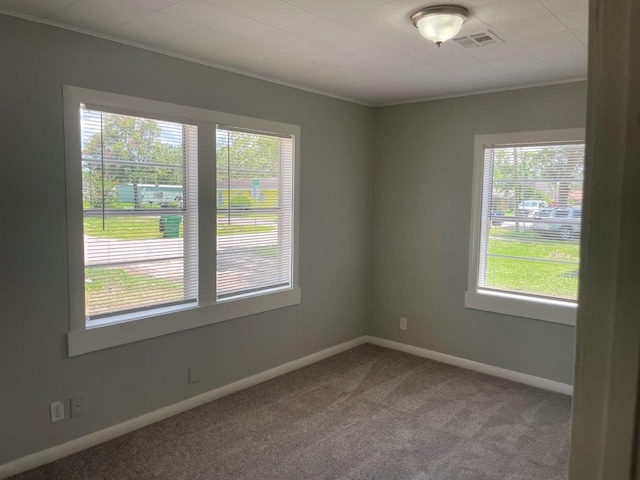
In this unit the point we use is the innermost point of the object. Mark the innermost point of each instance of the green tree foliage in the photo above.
(99, 191)
(132, 151)
(548, 174)
(247, 155)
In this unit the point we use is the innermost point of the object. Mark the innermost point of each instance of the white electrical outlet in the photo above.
(56, 409)
(403, 323)
(78, 406)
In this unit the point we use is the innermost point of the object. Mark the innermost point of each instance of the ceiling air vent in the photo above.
(478, 39)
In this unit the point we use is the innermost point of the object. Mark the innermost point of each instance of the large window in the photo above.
(526, 224)
(178, 217)
(140, 222)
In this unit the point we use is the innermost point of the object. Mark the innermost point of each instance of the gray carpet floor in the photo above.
(368, 413)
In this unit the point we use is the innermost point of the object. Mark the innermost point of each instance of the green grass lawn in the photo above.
(147, 228)
(124, 228)
(545, 277)
(118, 282)
(242, 229)
(542, 277)
(530, 246)
(129, 288)
(271, 217)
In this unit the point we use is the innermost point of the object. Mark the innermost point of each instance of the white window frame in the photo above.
(516, 304)
(162, 321)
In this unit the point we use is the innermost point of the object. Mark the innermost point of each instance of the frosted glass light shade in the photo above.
(440, 23)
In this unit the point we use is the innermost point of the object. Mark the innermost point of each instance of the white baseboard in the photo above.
(74, 446)
(476, 366)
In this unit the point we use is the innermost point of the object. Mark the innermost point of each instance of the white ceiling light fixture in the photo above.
(440, 22)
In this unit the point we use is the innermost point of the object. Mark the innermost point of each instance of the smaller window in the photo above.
(526, 227)
(254, 176)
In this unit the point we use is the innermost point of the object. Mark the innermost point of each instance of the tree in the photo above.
(247, 155)
(131, 150)
(98, 189)
(533, 173)
(241, 157)
(570, 167)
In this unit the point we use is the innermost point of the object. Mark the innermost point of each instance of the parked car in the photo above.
(529, 208)
(559, 222)
(497, 217)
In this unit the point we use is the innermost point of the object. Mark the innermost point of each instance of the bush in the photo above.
(240, 200)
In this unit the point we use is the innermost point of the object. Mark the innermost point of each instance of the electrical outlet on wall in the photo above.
(56, 411)
(403, 323)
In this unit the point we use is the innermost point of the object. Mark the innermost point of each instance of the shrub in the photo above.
(240, 200)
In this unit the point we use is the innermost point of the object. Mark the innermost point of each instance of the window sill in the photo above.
(106, 336)
(547, 310)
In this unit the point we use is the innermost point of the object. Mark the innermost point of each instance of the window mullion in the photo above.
(207, 216)
(190, 209)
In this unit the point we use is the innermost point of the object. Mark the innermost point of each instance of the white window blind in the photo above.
(255, 212)
(139, 185)
(531, 219)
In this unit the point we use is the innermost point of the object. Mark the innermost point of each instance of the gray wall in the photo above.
(423, 165)
(408, 232)
(131, 380)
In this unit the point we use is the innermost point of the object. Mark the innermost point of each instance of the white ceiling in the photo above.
(363, 50)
